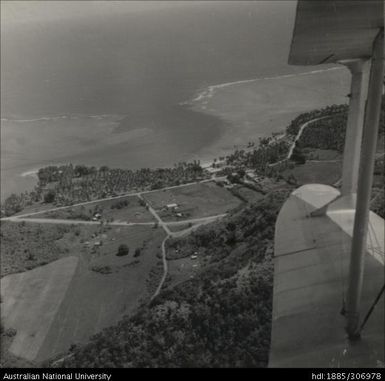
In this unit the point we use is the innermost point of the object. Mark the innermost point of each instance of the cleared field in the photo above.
(124, 209)
(79, 301)
(30, 302)
(194, 201)
(38, 207)
(323, 154)
(315, 172)
(179, 228)
(181, 270)
(95, 299)
(247, 194)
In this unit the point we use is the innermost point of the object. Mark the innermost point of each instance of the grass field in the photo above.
(38, 207)
(247, 194)
(315, 172)
(30, 302)
(124, 209)
(65, 303)
(323, 154)
(181, 270)
(194, 201)
(178, 228)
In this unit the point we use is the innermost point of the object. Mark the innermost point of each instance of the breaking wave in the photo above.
(206, 94)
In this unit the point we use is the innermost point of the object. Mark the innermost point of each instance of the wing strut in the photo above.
(365, 180)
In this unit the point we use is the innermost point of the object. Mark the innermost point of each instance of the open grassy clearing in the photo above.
(124, 209)
(94, 294)
(181, 227)
(194, 201)
(25, 245)
(7, 359)
(315, 172)
(30, 301)
(37, 207)
(184, 261)
(141, 240)
(246, 194)
(322, 154)
(180, 270)
(104, 289)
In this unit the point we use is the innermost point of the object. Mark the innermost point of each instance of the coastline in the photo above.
(257, 108)
(31, 173)
(247, 110)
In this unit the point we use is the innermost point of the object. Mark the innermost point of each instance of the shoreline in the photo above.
(248, 110)
(257, 108)
(31, 173)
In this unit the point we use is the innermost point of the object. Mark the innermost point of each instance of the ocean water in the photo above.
(114, 88)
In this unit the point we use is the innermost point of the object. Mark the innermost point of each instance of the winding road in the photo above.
(299, 134)
(164, 225)
(29, 218)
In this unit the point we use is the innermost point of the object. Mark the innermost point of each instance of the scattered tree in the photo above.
(122, 250)
(49, 197)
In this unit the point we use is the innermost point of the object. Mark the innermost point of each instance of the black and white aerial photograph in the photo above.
(192, 184)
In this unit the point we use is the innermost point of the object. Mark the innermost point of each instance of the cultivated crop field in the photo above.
(194, 201)
(123, 209)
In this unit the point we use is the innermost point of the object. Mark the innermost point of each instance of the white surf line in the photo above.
(30, 173)
(210, 90)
